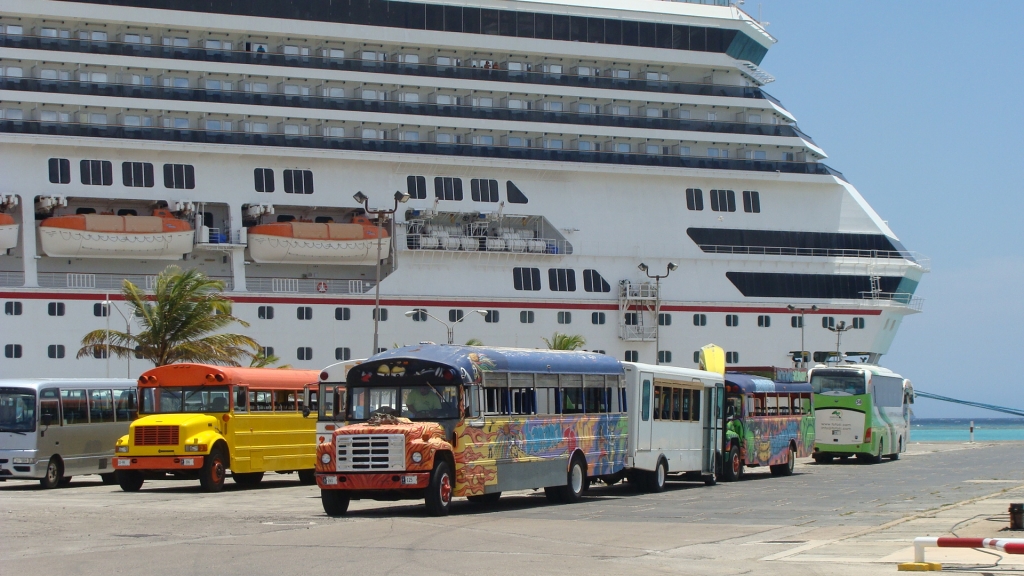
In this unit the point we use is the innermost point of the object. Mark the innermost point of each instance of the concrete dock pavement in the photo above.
(841, 518)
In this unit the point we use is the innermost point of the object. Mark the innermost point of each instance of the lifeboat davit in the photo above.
(8, 232)
(159, 237)
(317, 243)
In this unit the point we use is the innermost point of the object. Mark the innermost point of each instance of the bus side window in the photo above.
(645, 401)
(695, 405)
(101, 406)
(126, 407)
(680, 404)
(241, 400)
(49, 405)
(783, 404)
(75, 407)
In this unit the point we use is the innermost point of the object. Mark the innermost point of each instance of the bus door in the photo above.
(49, 422)
(643, 428)
(712, 422)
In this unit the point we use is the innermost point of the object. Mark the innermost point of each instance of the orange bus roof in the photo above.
(206, 374)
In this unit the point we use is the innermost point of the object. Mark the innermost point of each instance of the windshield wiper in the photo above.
(13, 431)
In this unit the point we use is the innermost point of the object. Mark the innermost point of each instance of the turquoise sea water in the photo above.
(958, 429)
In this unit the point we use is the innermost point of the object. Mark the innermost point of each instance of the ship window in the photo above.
(700, 319)
(264, 179)
(342, 313)
(796, 321)
(751, 201)
(342, 353)
(99, 353)
(593, 282)
(419, 315)
(383, 314)
(565, 317)
(298, 181)
(664, 357)
(265, 313)
(12, 308)
(664, 319)
(179, 176)
(491, 317)
(55, 351)
(632, 356)
(60, 171)
(696, 356)
(514, 195)
(858, 323)
(455, 315)
(562, 279)
(723, 200)
(526, 278)
(101, 310)
(764, 321)
(695, 199)
(732, 357)
(597, 318)
(12, 351)
(526, 317)
(732, 320)
(97, 172)
(828, 322)
(137, 174)
(448, 188)
(304, 313)
(417, 187)
(304, 353)
(55, 309)
(484, 190)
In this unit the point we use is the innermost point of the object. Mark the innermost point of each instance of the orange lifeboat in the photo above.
(317, 243)
(8, 232)
(160, 236)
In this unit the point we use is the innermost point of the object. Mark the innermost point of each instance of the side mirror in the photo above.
(47, 419)
(305, 412)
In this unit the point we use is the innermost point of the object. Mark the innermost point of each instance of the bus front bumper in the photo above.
(392, 481)
(158, 462)
(15, 464)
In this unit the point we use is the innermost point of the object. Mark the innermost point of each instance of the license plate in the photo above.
(409, 480)
(330, 480)
(188, 461)
(124, 461)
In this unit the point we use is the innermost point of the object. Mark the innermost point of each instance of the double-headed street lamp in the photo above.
(657, 303)
(128, 328)
(839, 329)
(400, 197)
(802, 311)
(449, 327)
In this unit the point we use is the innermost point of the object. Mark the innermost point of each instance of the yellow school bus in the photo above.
(198, 421)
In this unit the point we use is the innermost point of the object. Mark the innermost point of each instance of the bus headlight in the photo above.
(417, 457)
(325, 458)
(195, 448)
(24, 460)
(122, 449)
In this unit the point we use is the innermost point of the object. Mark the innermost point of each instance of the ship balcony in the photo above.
(638, 291)
(630, 333)
(915, 259)
(903, 300)
(90, 281)
(208, 238)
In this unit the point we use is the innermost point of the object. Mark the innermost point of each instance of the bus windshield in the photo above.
(838, 385)
(414, 402)
(330, 395)
(184, 399)
(17, 410)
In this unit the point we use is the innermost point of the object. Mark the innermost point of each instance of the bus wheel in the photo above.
(439, 493)
(108, 479)
(54, 471)
(899, 448)
(247, 480)
(64, 482)
(575, 479)
(211, 477)
(307, 477)
(787, 468)
(130, 480)
(733, 469)
(490, 498)
(335, 502)
(656, 480)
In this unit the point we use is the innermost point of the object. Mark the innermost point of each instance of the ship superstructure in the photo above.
(547, 148)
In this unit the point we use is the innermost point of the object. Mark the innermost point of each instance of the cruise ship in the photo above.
(606, 168)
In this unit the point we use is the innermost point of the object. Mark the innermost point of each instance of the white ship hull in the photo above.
(267, 249)
(8, 236)
(67, 243)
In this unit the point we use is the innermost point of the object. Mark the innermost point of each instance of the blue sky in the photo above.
(921, 106)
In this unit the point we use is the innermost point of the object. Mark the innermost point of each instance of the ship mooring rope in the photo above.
(992, 407)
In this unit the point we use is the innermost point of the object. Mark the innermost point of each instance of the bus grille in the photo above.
(156, 435)
(367, 453)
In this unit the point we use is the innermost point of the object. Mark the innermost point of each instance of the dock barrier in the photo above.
(1006, 545)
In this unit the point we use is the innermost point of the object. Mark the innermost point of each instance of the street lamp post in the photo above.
(400, 197)
(839, 329)
(128, 328)
(657, 303)
(802, 311)
(449, 327)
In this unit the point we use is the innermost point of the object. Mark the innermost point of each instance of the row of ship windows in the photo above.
(14, 308)
(559, 280)
(447, 188)
(723, 200)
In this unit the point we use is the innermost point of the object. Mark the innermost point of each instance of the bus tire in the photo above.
(130, 480)
(64, 482)
(489, 498)
(335, 502)
(54, 472)
(575, 480)
(108, 479)
(248, 480)
(439, 493)
(656, 480)
(732, 468)
(899, 448)
(787, 468)
(307, 477)
(212, 475)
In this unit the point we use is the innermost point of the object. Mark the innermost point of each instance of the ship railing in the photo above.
(898, 299)
(487, 244)
(308, 286)
(914, 258)
(374, 66)
(12, 279)
(632, 333)
(219, 238)
(99, 281)
(638, 291)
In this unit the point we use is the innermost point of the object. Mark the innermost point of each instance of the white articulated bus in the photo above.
(51, 430)
(675, 423)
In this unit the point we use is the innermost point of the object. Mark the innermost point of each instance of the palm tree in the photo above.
(180, 322)
(474, 342)
(561, 341)
(263, 360)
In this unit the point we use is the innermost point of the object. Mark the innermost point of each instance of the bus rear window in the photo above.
(851, 385)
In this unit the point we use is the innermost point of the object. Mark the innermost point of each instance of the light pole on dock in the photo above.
(400, 198)
(802, 311)
(672, 266)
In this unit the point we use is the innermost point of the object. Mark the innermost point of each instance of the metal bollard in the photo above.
(972, 431)
(1017, 516)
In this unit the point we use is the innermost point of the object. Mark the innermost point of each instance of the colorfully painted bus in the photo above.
(434, 422)
(51, 430)
(860, 410)
(199, 421)
(767, 424)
